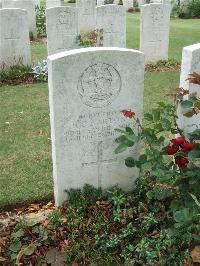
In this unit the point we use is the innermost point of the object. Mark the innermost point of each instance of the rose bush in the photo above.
(169, 167)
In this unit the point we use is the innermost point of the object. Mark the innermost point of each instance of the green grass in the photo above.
(25, 152)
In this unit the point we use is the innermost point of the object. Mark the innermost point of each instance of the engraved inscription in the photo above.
(99, 85)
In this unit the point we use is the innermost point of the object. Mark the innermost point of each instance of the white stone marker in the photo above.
(62, 29)
(128, 4)
(86, 14)
(87, 90)
(28, 5)
(53, 3)
(14, 36)
(100, 2)
(7, 3)
(112, 19)
(190, 64)
(154, 31)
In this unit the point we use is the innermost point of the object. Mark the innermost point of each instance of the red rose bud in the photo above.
(128, 114)
(178, 140)
(187, 146)
(181, 161)
(170, 150)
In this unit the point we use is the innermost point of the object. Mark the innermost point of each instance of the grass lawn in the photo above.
(25, 151)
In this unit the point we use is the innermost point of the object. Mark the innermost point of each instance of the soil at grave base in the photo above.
(41, 39)
(25, 204)
(162, 68)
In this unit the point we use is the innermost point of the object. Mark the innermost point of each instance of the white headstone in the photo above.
(87, 90)
(53, 3)
(86, 14)
(190, 64)
(128, 4)
(112, 19)
(14, 36)
(100, 2)
(154, 32)
(7, 3)
(62, 29)
(29, 6)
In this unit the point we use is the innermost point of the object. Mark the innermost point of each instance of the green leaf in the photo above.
(189, 113)
(166, 124)
(148, 117)
(120, 139)
(130, 162)
(15, 245)
(194, 154)
(186, 104)
(143, 158)
(156, 115)
(29, 250)
(182, 215)
(122, 147)
(197, 104)
(129, 130)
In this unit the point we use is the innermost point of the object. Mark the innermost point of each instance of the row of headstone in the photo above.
(64, 24)
(29, 6)
(87, 90)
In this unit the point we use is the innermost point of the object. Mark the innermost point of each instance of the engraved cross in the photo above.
(99, 161)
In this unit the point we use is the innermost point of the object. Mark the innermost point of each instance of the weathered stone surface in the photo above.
(190, 64)
(7, 3)
(87, 90)
(86, 14)
(14, 36)
(53, 3)
(154, 31)
(128, 4)
(29, 6)
(62, 28)
(100, 2)
(112, 19)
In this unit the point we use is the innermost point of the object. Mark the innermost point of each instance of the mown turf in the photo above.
(25, 152)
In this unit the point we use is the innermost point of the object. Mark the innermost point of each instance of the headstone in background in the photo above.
(87, 90)
(29, 6)
(7, 3)
(128, 4)
(154, 31)
(112, 19)
(53, 3)
(62, 29)
(100, 2)
(86, 15)
(190, 64)
(14, 36)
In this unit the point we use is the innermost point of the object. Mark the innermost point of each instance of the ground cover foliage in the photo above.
(157, 224)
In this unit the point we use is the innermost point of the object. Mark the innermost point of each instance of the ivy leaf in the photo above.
(122, 147)
(29, 250)
(182, 215)
(166, 124)
(186, 104)
(130, 162)
(197, 104)
(15, 245)
(129, 130)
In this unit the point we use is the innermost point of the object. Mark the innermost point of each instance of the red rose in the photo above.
(170, 150)
(181, 161)
(178, 140)
(187, 146)
(128, 114)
